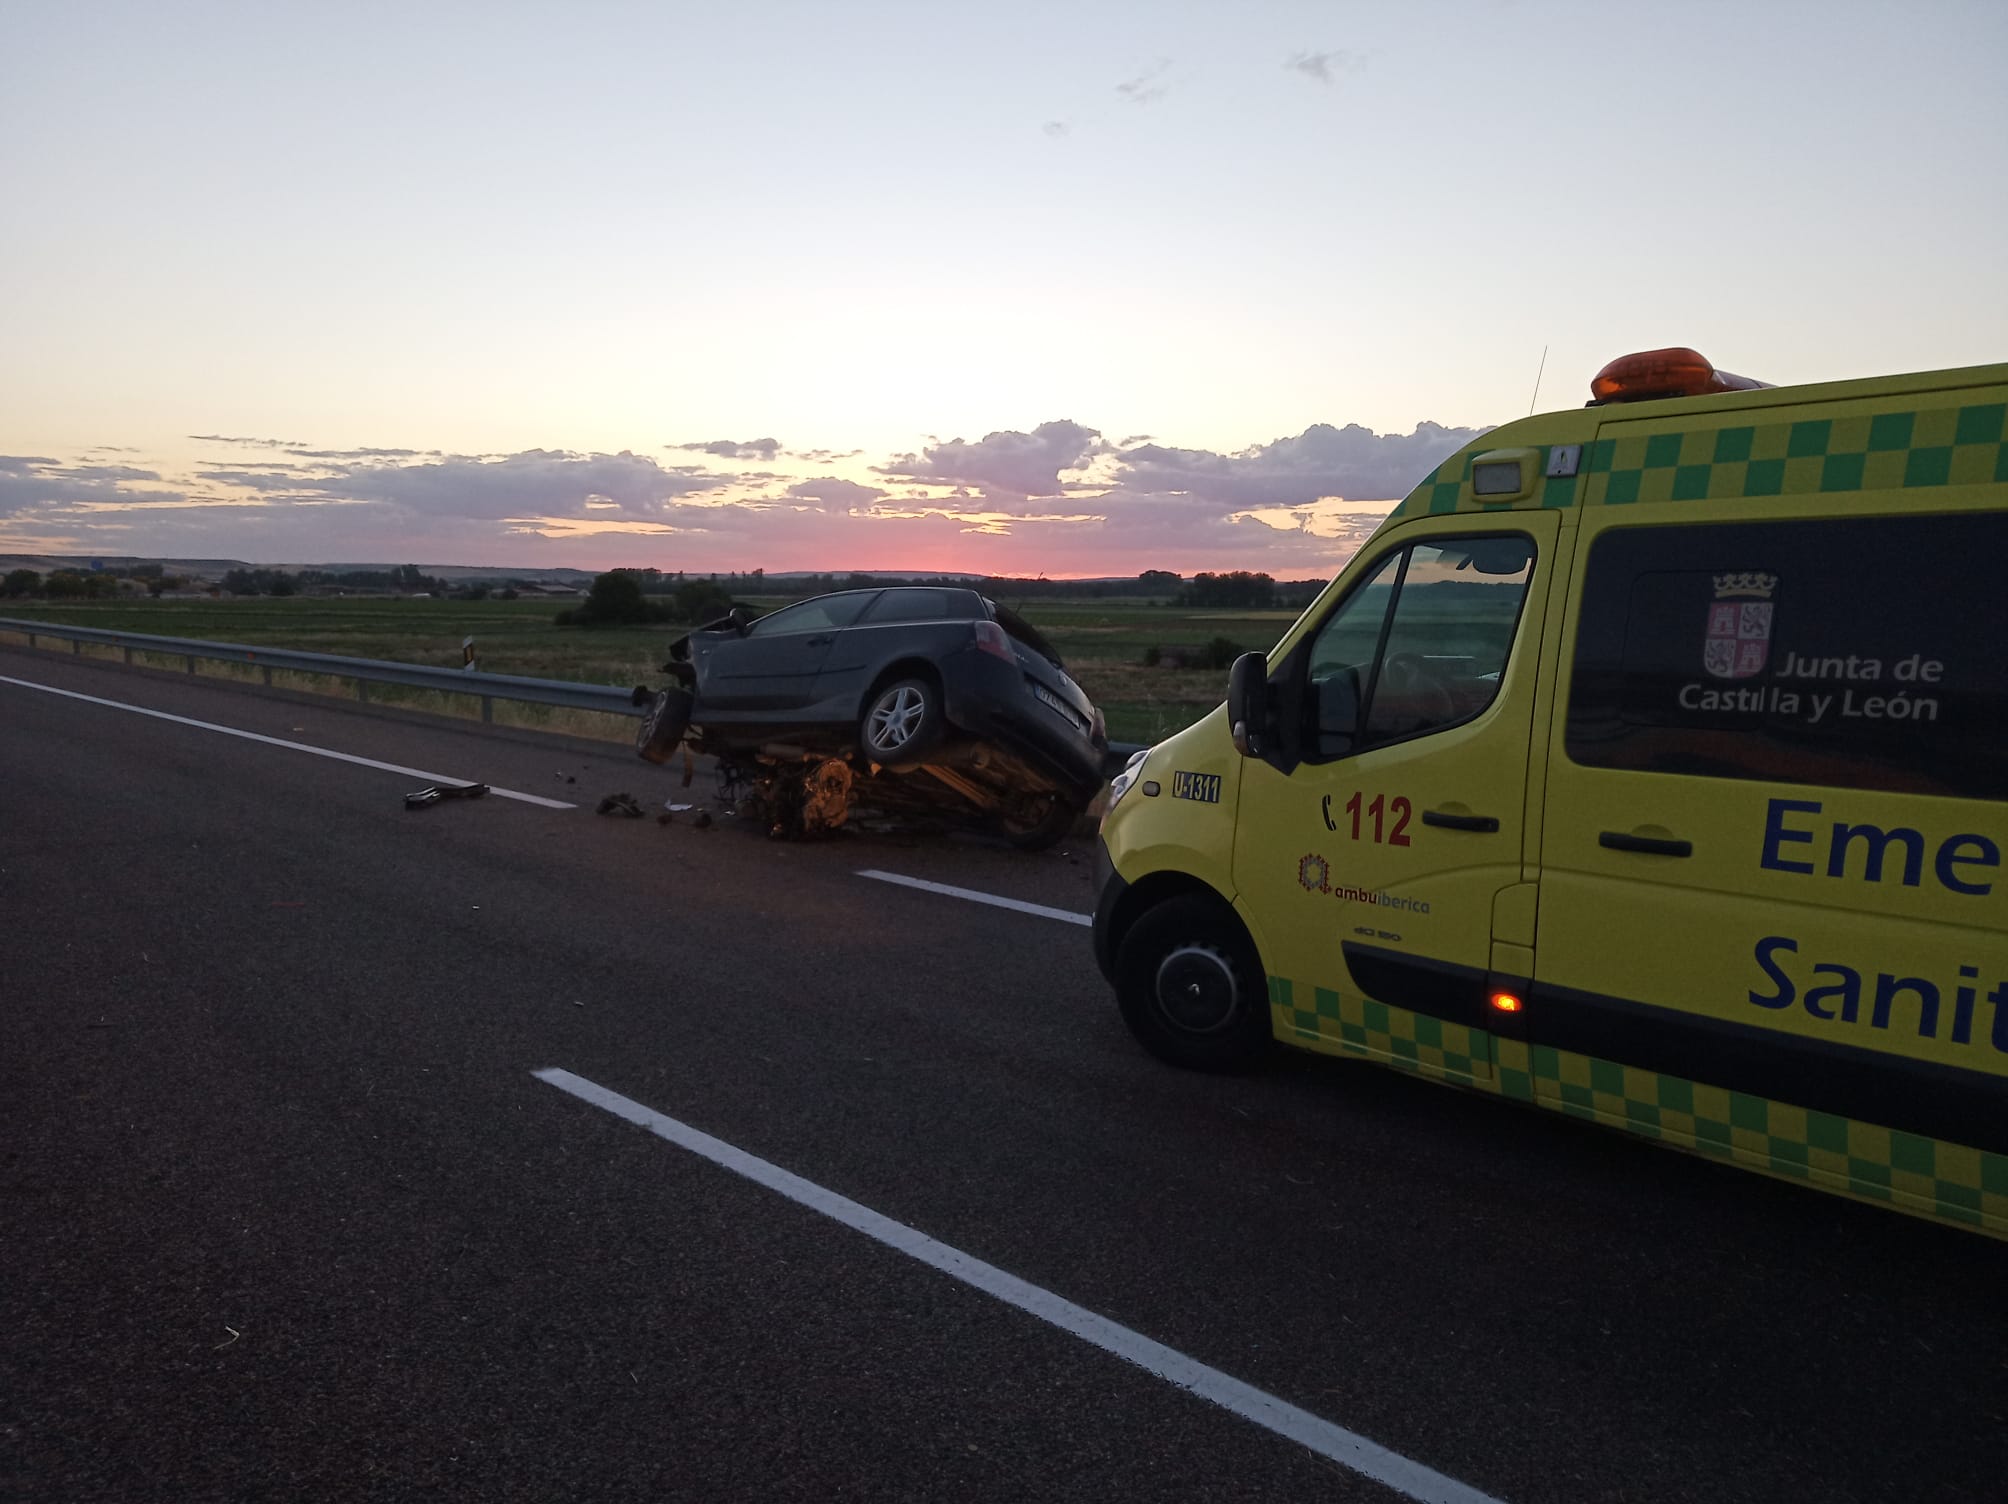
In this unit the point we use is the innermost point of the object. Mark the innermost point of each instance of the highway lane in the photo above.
(264, 1069)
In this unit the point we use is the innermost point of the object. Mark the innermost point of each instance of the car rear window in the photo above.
(917, 604)
(1021, 630)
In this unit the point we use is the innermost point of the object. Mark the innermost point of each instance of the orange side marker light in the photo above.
(1507, 1002)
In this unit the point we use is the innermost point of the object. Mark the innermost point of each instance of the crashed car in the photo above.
(909, 698)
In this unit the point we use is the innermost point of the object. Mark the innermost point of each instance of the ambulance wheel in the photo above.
(662, 725)
(1191, 987)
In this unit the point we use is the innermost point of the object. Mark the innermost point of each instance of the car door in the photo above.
(902, 620)
(1373, 865)
(773, 666)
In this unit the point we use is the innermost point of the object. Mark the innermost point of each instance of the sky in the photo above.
(1065, 289)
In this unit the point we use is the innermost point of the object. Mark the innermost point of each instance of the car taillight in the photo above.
(991, 639)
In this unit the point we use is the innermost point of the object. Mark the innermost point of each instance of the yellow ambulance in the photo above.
(1650, 764)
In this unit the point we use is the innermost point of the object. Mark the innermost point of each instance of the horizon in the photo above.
(1100, 290)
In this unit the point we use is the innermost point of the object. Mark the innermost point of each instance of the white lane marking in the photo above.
(1065, 916)
(1344, 1447)
(274, 741)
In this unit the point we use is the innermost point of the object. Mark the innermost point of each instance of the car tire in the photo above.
(1191, 986)
(663, 725)
(901, 723)
(1045, 828)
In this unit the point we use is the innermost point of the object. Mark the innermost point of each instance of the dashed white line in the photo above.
(974, 895)
(1347, 1448)
(274, 741)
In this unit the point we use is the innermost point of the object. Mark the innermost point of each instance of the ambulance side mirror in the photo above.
(1248, 703)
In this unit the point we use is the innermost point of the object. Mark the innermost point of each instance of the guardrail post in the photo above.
(362, 690)
(76, 647)
(268, 676)
(190, 659)
(488, 710)
(128, 657)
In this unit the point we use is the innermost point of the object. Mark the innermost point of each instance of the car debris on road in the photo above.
(423, 798)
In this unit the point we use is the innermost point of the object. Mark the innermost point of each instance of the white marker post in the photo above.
(467, 654)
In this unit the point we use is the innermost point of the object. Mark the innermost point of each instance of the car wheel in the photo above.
(901, 723)
(663, 725)
(1040, 823)
(1191, 987)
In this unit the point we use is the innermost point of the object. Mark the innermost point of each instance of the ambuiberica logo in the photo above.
(1739, 625)
(1314, 874)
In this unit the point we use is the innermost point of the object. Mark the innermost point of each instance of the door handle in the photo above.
(819, 642)
(1618, 840)
(1459, 822)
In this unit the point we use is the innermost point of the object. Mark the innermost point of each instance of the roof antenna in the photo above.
(1537, 381)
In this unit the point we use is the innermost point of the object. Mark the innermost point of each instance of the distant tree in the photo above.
(240, 582)
(700, 600)
(506, 593)
(614, 601)
(21, 582)
(66, 585)
(281, 584)
(1236, 588)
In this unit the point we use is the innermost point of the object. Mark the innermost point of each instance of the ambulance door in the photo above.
(1369, 855)
(1773, 859)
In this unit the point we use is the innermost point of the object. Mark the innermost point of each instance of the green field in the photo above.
(1103, 643)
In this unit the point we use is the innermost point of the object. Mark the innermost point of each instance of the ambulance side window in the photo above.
(1420, 645)
(1851, 652)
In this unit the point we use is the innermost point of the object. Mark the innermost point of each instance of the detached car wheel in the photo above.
(902, 722)
(1042, 824)
(1191, 987)
(663, 725)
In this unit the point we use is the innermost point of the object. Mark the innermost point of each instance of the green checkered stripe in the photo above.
(1907, 451)
(1345, 1023)
(1948, 1181)
(1895, 451)
(1446, 489)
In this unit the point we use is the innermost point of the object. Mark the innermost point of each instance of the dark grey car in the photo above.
(907, 694)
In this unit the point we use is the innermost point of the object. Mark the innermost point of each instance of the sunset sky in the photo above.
(1072, 289)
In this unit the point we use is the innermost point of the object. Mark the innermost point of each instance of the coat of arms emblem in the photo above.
(1739, 625)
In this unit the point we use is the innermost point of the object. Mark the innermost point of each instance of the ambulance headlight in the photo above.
(1132, 770)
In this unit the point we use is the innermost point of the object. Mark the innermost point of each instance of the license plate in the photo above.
(1073, 716)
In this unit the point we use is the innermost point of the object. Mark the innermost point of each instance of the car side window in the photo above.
(916, 604)
(1420, 645)
(820, 614)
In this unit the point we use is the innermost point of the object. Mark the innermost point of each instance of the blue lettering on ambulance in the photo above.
(1968, 850)
(1844, 987)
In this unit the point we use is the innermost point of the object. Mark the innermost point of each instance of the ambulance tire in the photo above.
(1191, 987)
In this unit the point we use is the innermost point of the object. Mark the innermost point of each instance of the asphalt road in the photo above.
(285, 1214)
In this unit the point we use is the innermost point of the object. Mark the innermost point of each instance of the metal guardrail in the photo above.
(488, 688)
(366, 671)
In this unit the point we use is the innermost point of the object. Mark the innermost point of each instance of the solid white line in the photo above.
(1321, 1436)
(273, 741)
(1066, 916)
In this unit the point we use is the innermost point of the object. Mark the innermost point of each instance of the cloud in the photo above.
(33, 483)
(1007, 461)
(834, 494)
(1322, 462)
(359, 454)
(822, 456)
(1056, 128)
(535, 483)
(735, 449)
(1145, 88)
(217, 438)
(1325, 66)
